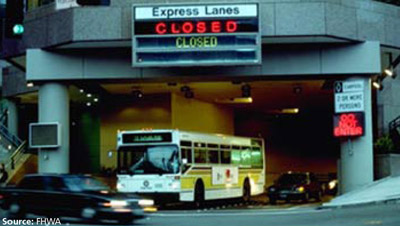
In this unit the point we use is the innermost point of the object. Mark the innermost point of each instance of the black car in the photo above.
(295, 186)
(70, 196)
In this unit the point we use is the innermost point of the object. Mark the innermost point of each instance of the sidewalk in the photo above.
(386, 189)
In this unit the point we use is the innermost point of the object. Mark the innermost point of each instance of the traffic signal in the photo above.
(14, 19)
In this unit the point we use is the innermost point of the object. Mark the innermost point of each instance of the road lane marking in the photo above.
(229, 214)
(376, 222)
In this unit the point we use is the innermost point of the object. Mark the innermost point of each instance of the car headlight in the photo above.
(332, 185)
(272, 189)
(146, 202)
(300, 189)
(116, 203)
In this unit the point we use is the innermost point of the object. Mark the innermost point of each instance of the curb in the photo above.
(386, 201)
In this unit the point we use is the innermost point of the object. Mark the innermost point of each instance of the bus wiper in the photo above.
(137, 165)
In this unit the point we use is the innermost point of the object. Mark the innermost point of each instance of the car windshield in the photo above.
(286, 179)
(148, 160)
(85, 184)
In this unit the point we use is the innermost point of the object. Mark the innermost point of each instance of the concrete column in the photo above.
(357, 153)
(12, 117)
(54, 107)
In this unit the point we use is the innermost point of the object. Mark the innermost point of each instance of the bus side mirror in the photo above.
(184, 161)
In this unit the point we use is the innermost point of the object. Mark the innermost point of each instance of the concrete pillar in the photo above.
(357, 153)
(54, 107)
(12, 117)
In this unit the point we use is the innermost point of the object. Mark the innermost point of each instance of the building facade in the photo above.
(84, 68)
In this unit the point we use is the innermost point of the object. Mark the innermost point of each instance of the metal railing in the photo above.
(16, 156)
(395, 123)
(393, 2)
(14, 140)
(3, 117)
(394, 134)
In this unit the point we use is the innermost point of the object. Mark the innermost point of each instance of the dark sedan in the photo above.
(295, 186)
(70, 196)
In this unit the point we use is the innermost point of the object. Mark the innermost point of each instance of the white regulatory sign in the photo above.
(64, 4)
(349, 86)
(195, 11)
(349, 102)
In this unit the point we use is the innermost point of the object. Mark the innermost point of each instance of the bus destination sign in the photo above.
(146, 138)
(196, 35)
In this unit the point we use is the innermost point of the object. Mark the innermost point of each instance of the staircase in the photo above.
(394, 131)
(13, 153)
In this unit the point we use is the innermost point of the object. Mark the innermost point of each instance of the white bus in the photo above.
(191, 167)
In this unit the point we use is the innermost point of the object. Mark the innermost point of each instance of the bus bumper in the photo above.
(161, 197)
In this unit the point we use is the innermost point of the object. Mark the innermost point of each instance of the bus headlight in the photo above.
(120, 186)
(146, 202)
(175, 185)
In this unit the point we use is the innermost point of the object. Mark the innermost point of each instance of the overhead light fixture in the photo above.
(30, 84)
(246, 91)
(377, 84)
(96, 99)
(81, 90)
(88, 104)
(297, 90)
(189, 94)
(185, 88)
(290, 111)
(390, 72)
(238, 100)
(393, 63)
(137, 94)
(89, 95)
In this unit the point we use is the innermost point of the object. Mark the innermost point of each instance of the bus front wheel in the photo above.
(199, 195)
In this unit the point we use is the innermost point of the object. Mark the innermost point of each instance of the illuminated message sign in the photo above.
(196, 35)
(146, 138)
(348, 124)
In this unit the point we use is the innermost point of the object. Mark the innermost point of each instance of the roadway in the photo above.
(281, 215)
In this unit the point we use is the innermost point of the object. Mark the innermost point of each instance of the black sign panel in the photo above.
(44, 135)
(146, 138)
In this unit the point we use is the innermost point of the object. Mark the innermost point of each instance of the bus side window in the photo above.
(235, 157)
(256, 158)
(245, 156)
(186, 153)
(213, 156)
(225, 157)
(200, 155)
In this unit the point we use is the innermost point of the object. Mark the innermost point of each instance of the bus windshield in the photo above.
(148, 160)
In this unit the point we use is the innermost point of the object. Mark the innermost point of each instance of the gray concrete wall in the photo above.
(14, 82)
(358, 20)
(387, 165)
(388, 103)
(285, 60)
